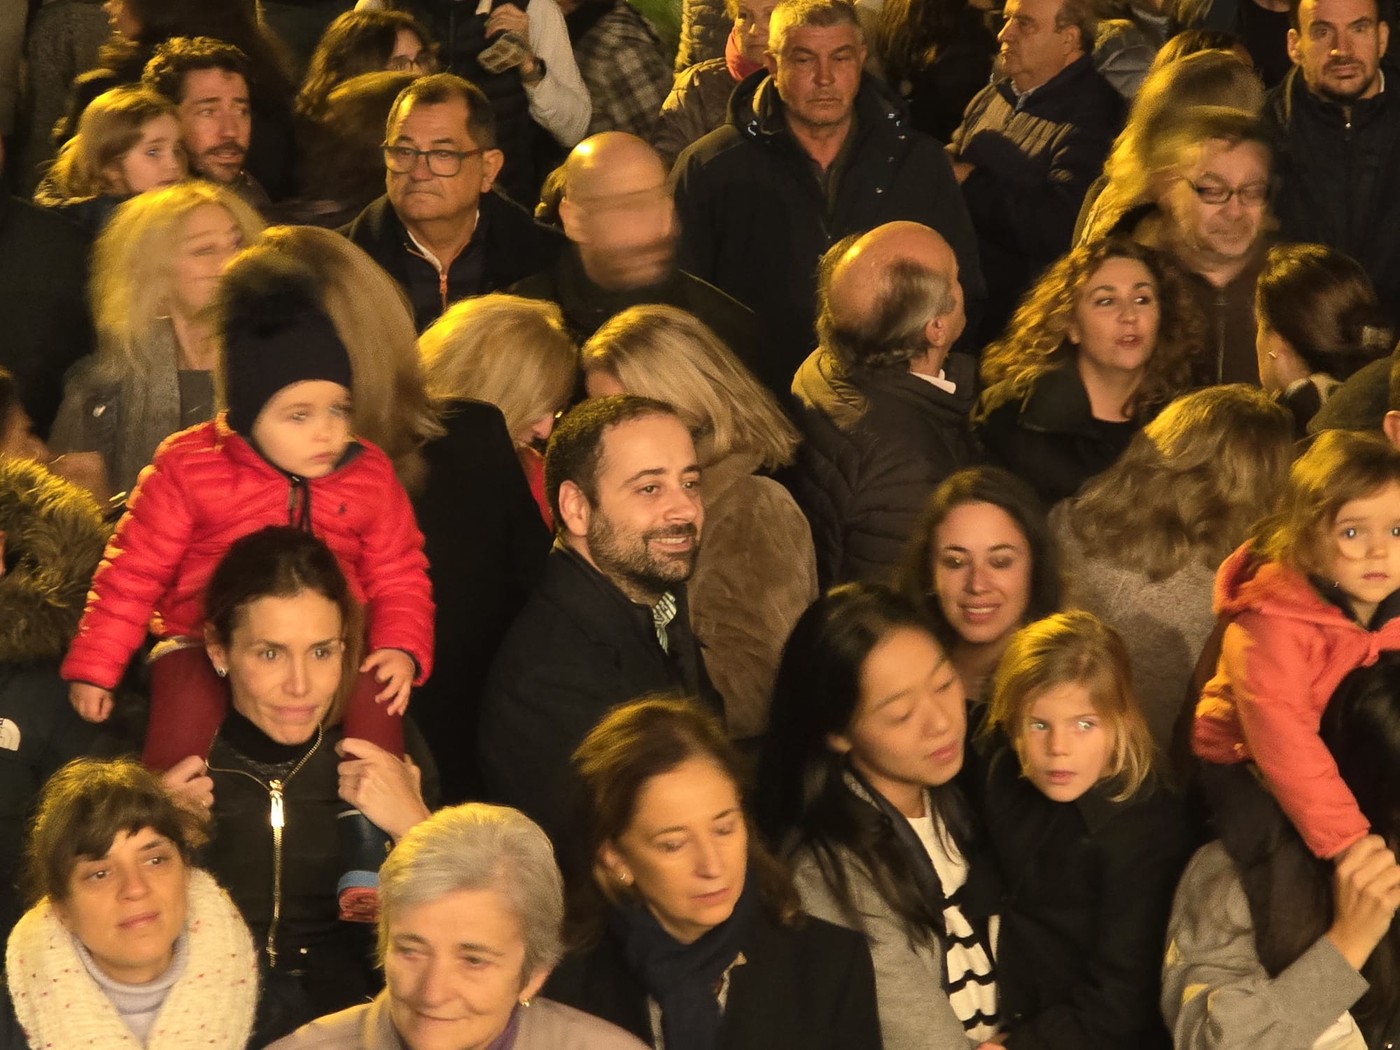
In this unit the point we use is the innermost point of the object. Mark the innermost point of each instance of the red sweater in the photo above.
(1284, 652)
(206, 488)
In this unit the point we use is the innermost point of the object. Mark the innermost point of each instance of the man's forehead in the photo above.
(445, 119)
(1335, 12)
(1221, 156)
(647, 442)
(212, 83)
(821, 38)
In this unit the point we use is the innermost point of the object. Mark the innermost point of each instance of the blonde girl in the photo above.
(1085, 844)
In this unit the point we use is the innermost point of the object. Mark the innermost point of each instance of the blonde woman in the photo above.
(1143, 539)
(757, 567)
(128, 142)
(375, 322)
(510, 352)
(497, 368)
(155, 270)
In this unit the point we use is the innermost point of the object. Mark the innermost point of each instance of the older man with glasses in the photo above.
(1211, 215)
(440, 230)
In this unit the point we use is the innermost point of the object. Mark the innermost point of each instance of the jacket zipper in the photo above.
(277, 818)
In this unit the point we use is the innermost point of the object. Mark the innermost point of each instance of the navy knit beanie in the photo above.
(275, 333)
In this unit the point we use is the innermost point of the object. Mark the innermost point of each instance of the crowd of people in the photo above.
(704, 525)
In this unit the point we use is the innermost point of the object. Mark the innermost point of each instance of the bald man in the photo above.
(617, 212)
(882, 403)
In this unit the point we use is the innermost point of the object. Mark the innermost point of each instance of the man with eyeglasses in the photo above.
(1210, 215)
(440, 231)
(1339, 137)
(1030, 144)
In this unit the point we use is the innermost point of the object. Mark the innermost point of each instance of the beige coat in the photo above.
(544, 1025)
(756, 574)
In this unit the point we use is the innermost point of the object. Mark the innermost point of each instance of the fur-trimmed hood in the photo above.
(54, 535)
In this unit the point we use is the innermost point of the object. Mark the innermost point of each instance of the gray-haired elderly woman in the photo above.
(471, 906)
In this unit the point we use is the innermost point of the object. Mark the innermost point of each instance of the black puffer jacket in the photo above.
(1337, 169)
(875, 444)
(754, 220)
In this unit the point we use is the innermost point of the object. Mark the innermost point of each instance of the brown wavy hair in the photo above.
(1191, 485)
(1037, 339)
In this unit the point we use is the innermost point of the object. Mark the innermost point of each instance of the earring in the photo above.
(222, 672)
(526, 1003)
(625, 877)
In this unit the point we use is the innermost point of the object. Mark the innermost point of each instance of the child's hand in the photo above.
(394, 668)
(189, 783)
(91, 701)
(1366, 888)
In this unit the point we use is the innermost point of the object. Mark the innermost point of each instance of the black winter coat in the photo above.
(1086, 891)
(755, 222)
(1049, 438)
(486, 548)
(506, 246)
(875, 444)
(331, 960)
(587, 306)
(579, 648)
(810, 986)
(1035, 157)
(1338, 175)
(43, 303)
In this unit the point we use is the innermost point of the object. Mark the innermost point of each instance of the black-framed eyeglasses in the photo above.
(426, 61)
(443, 163)
(1251, 193)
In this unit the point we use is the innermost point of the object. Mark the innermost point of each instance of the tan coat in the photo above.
(544, 1025)
(757, 573)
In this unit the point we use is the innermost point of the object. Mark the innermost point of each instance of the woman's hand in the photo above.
(395, 669)
(1366, 886)
(91, 701)
(385, 789)
(190, 785)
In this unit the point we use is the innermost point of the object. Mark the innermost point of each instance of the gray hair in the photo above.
(893, 331)
(480, 847)
(801, 14)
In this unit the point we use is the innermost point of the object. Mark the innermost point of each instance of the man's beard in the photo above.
(630, 562)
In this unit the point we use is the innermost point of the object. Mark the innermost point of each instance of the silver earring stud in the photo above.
(222, 672)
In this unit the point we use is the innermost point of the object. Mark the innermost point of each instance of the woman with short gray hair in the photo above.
(471, 905)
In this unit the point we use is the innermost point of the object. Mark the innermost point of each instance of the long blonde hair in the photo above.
(1191, 484)
(1075, 648)
(667, 354)
(110, 126)
(133, 271)
(374, 321)
(512, 352)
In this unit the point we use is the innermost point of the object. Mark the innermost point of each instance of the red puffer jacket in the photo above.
(206, 488)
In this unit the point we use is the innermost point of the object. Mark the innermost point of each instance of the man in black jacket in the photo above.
(609, 621)
(1031, 143)
(439, 230)
(1338, 156)
(812, 151)
(883, 406)
(618, 213)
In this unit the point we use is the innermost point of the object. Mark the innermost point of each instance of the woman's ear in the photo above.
(218, 653)
(533, 985)
(839, 743)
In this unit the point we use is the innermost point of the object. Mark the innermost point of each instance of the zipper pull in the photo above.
(277, 815)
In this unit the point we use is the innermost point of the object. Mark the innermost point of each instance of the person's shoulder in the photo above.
(332, 1032)
(374, 223)
(548, 1025)
(25, 226)
(702, 72)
